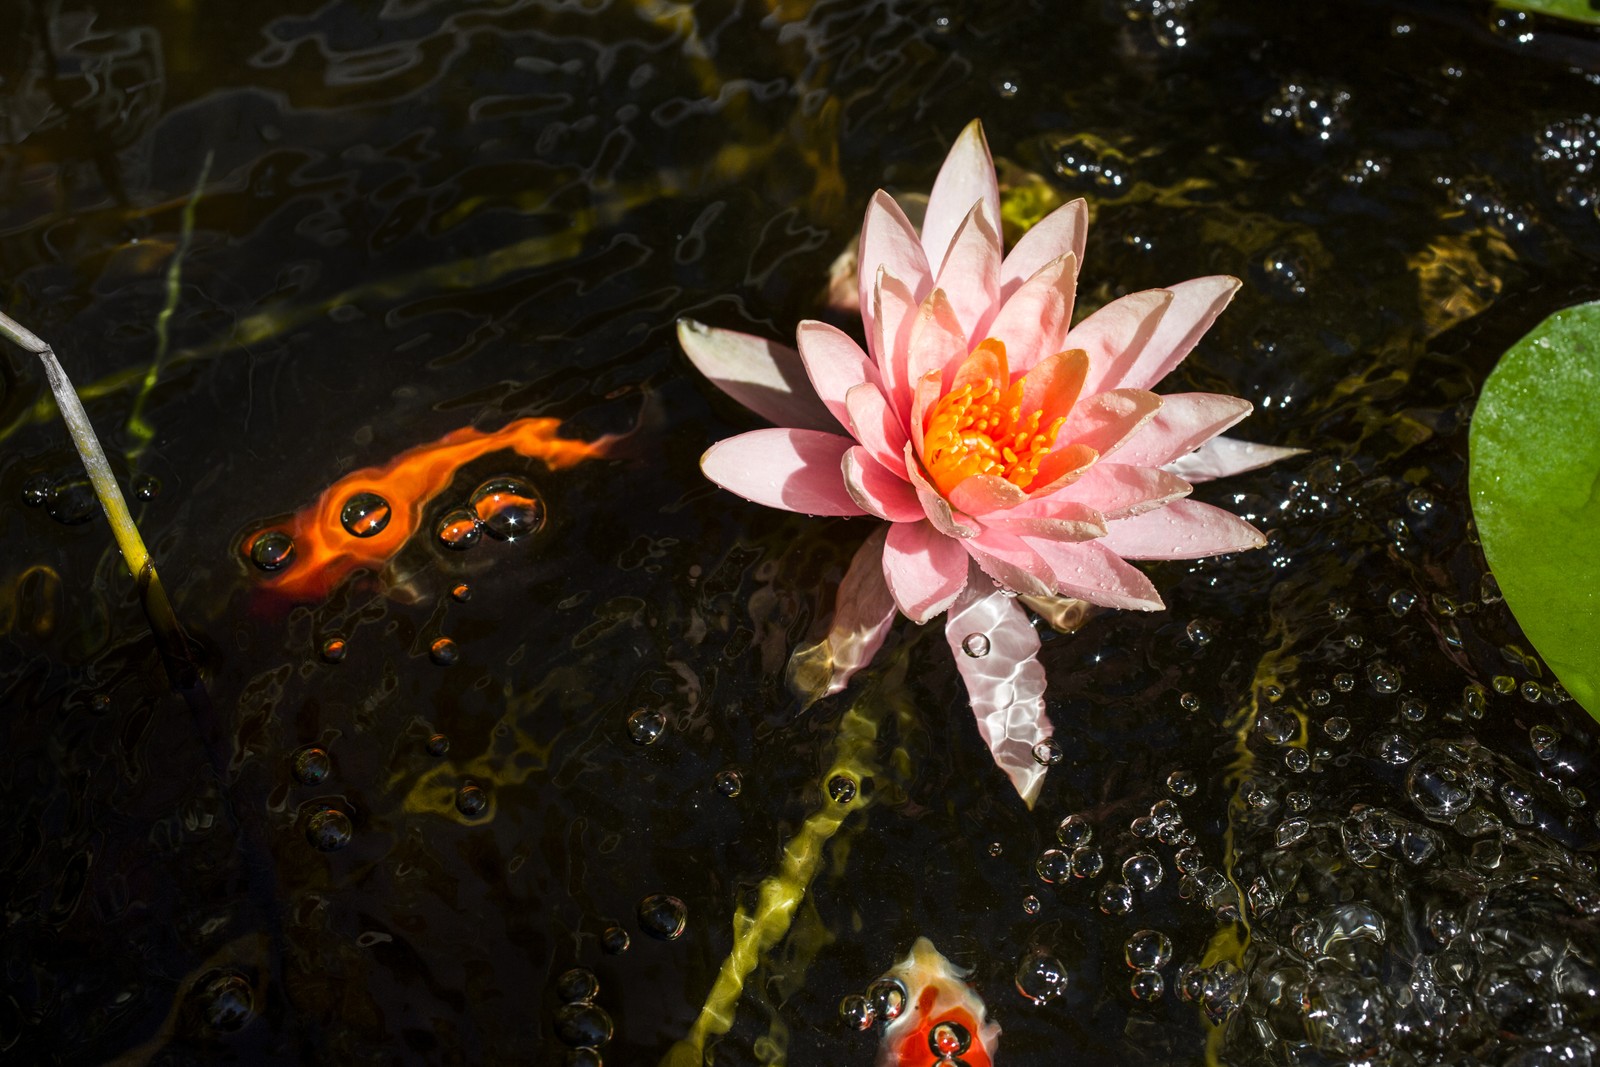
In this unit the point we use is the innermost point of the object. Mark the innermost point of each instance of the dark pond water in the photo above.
(278, 242)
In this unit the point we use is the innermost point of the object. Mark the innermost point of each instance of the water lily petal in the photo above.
(937, 341)
(764, 376)
(1035, 319)
(1185, 421)
(1064, 230)
(1009, 560)
(1053, 385)
(981, 494)
(876, 426)
(1107, 421)
(1222, 456)
(888, 240)
(1116, 490)
(1116, 334)
(925, 393)
(1054, 520)
(1005, 684)
(947, 520)
(863, 614)
(966, 178)
(1195, 306)
(1064, 614)
(1184, 529)
(1062, 467)
(877, 491)
(970, 273)
(1090, 571)
(896, 311)
(796, 470)
(835, 365)
(924, 569)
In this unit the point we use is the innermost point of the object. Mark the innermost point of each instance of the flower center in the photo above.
(980, 428)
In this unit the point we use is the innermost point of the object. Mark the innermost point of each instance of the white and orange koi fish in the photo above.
(942, 1023)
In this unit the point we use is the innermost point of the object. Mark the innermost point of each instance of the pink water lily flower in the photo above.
(1008, 451)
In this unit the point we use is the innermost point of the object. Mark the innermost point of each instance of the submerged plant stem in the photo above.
(152, 595)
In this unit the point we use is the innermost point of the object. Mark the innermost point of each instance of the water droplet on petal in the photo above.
(663, 916)
(975, 645)
(887, 997)
(459, 530)
(507, 508)
(272, 551)
(856, 1012)
(948, 1039)
(364, 515)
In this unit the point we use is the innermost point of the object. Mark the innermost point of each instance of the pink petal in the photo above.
(1184, 529)
(1055, 520)
(937, 341)
(764, 376)
(1005, 683)
(1035, 319)
(1222, 456)
(1118, 490)
(970, 273)
(1090, 571)
(1053, 385)
(926, 392)
(1185, 421)
(895, 310)
(877, 491)
(1063, 230)
(1116, 334)
(981, 494)
(924, 569)
(835, 364)
(946, 520)
(1012, 562)
(889, 241)
(875, 426)
(1105, 421)
(796, 470)
(863, 614)
(1195, 306)
(966, 178)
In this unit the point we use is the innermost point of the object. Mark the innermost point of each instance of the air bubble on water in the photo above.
(948, 1039)
(1192, 982)
(1053, 866)
(328, 829)
(1297, 760)
(507, 508)
(1031, 905)
(146, 487)
(1401, 601)
(1040, 977)
(1143, 826)
(1087, 862)
(365, 515)
(1277, 726)
(645, 725)
(583, 1025)
(1188, 860)
(1489, 590)
(311, 765)
(458, 529)
(856, 1013)
(1115, 898)
(842, 788)
(272, 551)
(1532, 692)
(1419, 501)
(1545, 740)
(1339, 610)
(1198, 632)
(1074, 830)
(975, 645)
(1142, 871)
(444, 652)
(1165, 813)
(471, 800)
(730, 783)
(1146, 985)
(1319, 697)
(1189, 702)
(583, 1057)
(663, 916)
(1182, 784)
(461, 592)
(1392, 747)
(1413, 710)
(887, 997)
(71, 500)
(36, 490)
(1290, 831)
(1337, 727)
(577, 984)
(1048, 752)
(1147, 950)
(333, 650)
(614, 940)
(1298, 801)
(227, 1001)
(437, 745)
(1344, 682)
(1385, 677)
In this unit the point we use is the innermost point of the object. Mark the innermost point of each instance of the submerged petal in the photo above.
(966, 178)
(924, 569)
(863, 614)
(1183, 529)
(1005, 682)
(1222, 456)
(764, 376)
(796, 470)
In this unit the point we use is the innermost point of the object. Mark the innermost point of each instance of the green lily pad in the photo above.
(1575, 10)
(1535, 482)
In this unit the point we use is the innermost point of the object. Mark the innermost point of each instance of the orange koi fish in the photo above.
(327, 544)
(942, 1023)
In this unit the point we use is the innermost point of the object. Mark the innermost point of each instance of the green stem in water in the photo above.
(152, 595)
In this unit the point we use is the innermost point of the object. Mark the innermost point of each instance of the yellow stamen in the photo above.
(980, 428)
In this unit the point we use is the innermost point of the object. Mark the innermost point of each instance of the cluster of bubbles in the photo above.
(1568, 153)
(885, 1000)
(581, 1024)
(1315, 112)
(1166, 20)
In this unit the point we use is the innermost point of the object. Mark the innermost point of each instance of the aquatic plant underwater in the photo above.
(495, 734)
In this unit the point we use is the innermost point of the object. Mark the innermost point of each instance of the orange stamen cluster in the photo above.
(980, 428)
